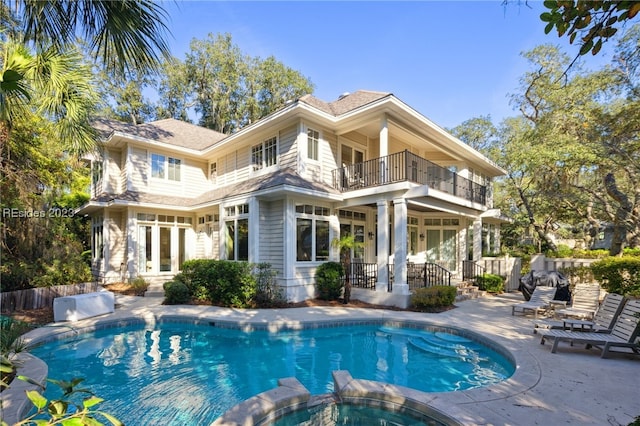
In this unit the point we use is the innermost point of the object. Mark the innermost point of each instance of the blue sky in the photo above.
(450, 60)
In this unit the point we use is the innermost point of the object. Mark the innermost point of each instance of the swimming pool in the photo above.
(179, 373)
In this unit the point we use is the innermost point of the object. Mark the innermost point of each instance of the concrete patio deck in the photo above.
(572, 386)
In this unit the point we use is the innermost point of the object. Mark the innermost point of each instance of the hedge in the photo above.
(619, 275)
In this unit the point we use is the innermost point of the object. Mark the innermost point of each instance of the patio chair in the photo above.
(584, 302)
(539, 301)
(603, 319)
(623, 334)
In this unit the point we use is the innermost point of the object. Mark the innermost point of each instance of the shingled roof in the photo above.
(286, 177)
(344, 103)
(169, 131)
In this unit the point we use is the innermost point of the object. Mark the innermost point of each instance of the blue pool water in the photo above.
(185, 374)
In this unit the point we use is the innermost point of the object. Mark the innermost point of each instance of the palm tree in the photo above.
(345, 245)
(121, 35)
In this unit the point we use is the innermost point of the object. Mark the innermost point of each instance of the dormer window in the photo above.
(265, 154)
(163, 167)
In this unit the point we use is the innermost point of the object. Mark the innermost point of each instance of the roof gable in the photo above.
(345, 103)
(170, 131)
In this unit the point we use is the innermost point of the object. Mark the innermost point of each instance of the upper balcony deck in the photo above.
(407, 167)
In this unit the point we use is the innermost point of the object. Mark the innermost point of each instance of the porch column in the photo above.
(496, 239)
(477, 239)
(384, 148)
(132, 245)
(382, 236)
(106, 243)
(254, 233)
(463, 250)
(222, 234)
(400, 285)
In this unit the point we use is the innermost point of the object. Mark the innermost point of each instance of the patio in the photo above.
(573, 386)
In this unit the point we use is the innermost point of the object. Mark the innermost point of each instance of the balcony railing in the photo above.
(407, 167)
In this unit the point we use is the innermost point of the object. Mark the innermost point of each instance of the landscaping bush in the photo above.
(436, 298)
(490, 282)
(268, 294)
(176, 293)
(578, 274)
(619, 275)
(328, 282)
(221, 282)
(139, 285)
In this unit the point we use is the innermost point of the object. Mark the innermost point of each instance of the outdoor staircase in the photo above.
(154, 290)
(467, 290)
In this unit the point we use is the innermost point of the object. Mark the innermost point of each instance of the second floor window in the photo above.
(265, 154)
(165, 167)
(313, 136)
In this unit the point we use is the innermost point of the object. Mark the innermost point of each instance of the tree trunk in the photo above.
(347, 281)
(623, 215)
(540, 231)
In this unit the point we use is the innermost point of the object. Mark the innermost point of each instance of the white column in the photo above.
(132, 245)
(107, 240)
(382, 236)
(496, 239)
(384, 149)
(400, 285)
(384, 137)
(254, 233)
(222, 234)
(291, 241)
(462, 245)
(477, 239)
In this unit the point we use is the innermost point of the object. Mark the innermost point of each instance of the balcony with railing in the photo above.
(407, 167)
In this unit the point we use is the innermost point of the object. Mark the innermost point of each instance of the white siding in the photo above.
(287, 149)
(329, 152)
(139, 170)
(272, 234)
(112, 173)
(116, 224)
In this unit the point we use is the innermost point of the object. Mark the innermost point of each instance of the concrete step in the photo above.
(154, 290)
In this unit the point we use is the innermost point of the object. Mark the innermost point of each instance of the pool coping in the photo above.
(526, 375)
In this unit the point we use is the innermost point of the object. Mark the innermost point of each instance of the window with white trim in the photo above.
(265, 154)
(97, 238)
(313, 140)
(237, 226)
(163, 167)
(312, 233)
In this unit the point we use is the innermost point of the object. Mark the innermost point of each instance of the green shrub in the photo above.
(619, 275)
(176, 293)
(328, 281)
(490, 282)
(434, 298)
(11, 331)
(562, 250)
(627, 251)
(222, 282)
(578, 274)
(268, 294)
(139, 285)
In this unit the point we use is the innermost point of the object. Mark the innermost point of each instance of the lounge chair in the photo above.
(539, 301)
(603, 319)
(584, 302)
(623, 334)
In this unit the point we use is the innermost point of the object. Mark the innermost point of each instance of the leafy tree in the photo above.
(227, 89)
(594, 21)
(123, 35)
(478, 132)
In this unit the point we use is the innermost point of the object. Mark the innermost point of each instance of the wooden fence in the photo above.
(505, 267)
(36, 298)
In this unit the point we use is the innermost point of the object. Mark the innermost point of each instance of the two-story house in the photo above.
(282, 189)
